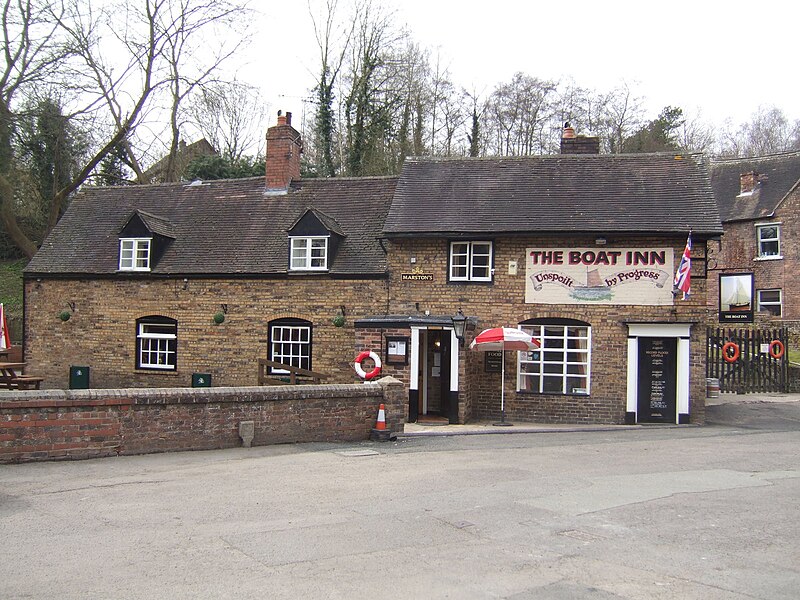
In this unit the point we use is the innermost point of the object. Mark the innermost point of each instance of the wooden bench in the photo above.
(21, 382)
(27, 382)
(294, 375)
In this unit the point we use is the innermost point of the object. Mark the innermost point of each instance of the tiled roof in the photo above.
(777, 175)
(563, 194)
(219, 227)
(156, 224)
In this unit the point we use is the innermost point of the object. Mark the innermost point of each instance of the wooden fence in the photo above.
(748, 360)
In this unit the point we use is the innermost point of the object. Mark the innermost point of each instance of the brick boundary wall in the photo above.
(77, 424)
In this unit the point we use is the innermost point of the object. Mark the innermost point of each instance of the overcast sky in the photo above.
(721, 59)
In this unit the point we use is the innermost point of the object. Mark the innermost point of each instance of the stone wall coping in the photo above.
(149, 396)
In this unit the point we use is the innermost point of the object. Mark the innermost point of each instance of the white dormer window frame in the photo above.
(768, 244)
(308, 253)
(134, 254)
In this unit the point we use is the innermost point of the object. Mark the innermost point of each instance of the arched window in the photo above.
(563, 363)
(156, 343)
(290, 343)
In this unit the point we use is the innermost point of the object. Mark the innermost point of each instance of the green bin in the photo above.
(79, 378)
(201, 379)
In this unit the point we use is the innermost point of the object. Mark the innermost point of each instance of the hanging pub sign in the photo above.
(635, 276)
(736, 298)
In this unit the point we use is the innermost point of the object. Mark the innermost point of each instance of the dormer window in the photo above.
(143, 239)
(134, 254)
(309, 253)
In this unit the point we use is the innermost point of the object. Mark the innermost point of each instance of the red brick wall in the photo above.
(93, 423)
(737, 252)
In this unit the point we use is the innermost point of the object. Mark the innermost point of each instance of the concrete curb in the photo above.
(446, 431)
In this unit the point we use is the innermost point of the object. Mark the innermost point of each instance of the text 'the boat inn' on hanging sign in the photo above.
(633, 276)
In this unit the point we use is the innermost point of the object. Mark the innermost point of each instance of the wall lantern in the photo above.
(459, 322)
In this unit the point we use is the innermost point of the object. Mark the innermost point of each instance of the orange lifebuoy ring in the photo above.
(776, 353)
(730, 357)
(372, 374)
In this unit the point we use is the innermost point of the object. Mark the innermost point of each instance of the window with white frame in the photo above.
(156, 343)
(309, 253)
(562, 364)
(770, 301)
(470, 261)
(769, 240)
(290, 343)
(134, 254)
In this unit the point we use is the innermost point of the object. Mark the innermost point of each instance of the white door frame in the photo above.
(681, 331)
(420, 343)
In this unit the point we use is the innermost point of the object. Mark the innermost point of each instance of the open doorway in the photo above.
(432, 399)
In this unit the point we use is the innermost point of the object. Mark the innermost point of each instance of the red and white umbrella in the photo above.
(503, 339)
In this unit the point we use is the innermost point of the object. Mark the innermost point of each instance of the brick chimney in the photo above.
(284, 147)
(578, 144)
(747, 182)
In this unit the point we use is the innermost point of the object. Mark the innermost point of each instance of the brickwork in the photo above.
(284, 148)
(503, 303)
(75, 424)
(737, 252)
(101, 333)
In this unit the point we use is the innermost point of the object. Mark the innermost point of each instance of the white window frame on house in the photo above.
(290, 344)
(761, 242)
(306, 253)
(562, 366)
(134, 254)
(762, 304)
(468, 265)
(157, 343)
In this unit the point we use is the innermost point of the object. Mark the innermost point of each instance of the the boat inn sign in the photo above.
(633, 276)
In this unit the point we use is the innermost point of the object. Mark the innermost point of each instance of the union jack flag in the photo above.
(683, 276)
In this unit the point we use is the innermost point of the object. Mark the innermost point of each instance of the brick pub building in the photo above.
(160, 282)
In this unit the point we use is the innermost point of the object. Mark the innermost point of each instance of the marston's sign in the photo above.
(638, 276)
(416, 275)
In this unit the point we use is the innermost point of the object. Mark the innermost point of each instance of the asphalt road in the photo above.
(692, 512)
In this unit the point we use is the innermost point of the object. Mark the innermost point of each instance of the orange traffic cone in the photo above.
(380, 425)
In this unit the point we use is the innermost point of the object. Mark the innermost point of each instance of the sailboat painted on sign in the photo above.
(594, 290)
(740, 299)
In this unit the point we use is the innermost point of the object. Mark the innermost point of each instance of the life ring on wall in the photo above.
(730, 357)
(372, 374)
(780, 349)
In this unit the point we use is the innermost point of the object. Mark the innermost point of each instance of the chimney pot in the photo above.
(288, 118)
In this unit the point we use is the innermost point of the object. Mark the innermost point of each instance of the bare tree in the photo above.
(231, 116)
(695, 135)
(768, 131)
(333, 39)
(519, 113)
(33, 48)
(70, 44)
(621, 115)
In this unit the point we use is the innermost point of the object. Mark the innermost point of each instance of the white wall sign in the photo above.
(637, 276)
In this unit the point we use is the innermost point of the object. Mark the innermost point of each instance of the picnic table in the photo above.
(11, 377)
